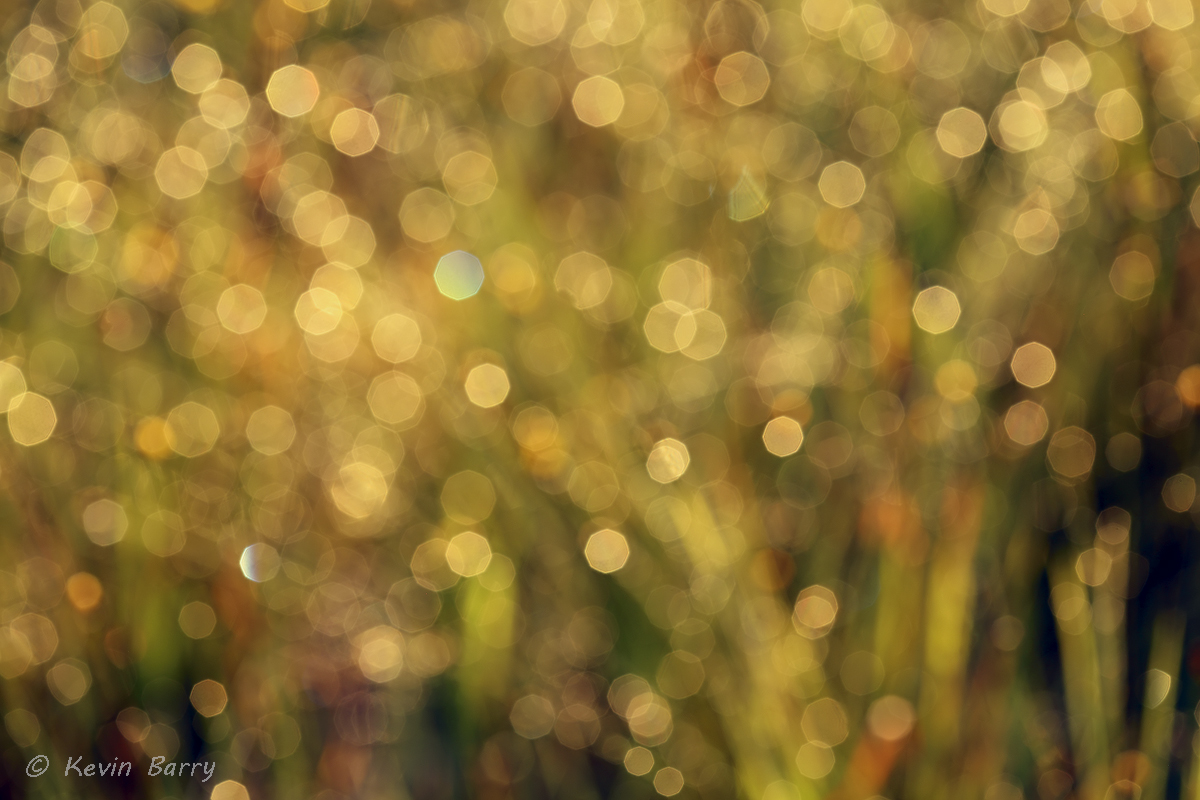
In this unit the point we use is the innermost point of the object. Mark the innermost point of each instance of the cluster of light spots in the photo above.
(232, 368)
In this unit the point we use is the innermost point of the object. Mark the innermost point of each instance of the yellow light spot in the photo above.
(153, 438)
(241, 308)
(842, 184)
(669, 326)
(815, 611)
(638, 760)
(534, 22)
(1036, 231)
(209, 698)
(936, 309)
(668, 782)
(468, 497)
(380, 653)
(12, 385)
(1005, 8)
(1118, 115)
(487, 385)
(69, 680)
(1093, 566)
(105, 522)
(84, 591)
(194, 429)
(531, 96)
(1071, 452)
(318, 311)
(742, 79)
(307, 6)
(396, 338)
(532, 716)
(1021, 124)
(584, 277)
(1132, 275)
(1171, 15)
(224, 104)
(270, 430)
(31, 419)
(468, 554)
(395, 399)
(1026, 422)
(955, 380)
(891, 718)
(961, 132)
(354, 132)
(197, 620)
(1033, 365)
(470, 177)
(426, 215)
(606, 550)
(458, 275)
(292, 90)
(668, 460)
(783, 436)
(229, 790)
(181, 172)
(1179, 492)
(196, 68)
(1187, 384)
(598, 101)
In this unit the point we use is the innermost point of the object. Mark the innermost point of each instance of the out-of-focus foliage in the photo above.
(600, 398)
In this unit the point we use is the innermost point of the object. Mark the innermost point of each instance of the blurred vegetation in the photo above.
(600, 398)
